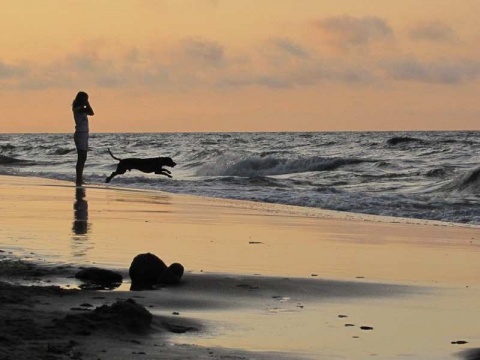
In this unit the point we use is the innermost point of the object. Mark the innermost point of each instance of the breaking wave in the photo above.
(269, 166)
(469, 182)
(397, 140)
(4, 160)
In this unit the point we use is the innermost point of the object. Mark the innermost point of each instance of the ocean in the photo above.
(418, 175)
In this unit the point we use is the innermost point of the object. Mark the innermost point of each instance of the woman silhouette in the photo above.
(81, 109)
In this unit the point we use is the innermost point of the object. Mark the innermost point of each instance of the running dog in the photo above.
(150, 165)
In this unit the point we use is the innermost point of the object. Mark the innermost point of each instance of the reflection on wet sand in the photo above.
(80, 226)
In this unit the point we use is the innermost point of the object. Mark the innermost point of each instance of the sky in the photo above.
(240, 65)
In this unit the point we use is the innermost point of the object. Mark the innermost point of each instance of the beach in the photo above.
(262, 281)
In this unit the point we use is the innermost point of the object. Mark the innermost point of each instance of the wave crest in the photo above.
(265, 166)
(396, 140)
(62, 151)
(9, 160)
(469, 182)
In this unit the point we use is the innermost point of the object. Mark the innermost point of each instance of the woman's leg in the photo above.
(82, 157)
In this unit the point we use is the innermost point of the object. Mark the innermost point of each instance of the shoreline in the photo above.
(278, 208)
(260, 283)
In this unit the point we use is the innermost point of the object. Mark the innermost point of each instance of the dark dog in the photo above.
(144, 165)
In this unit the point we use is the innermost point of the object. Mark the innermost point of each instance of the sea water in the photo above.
(422, 175)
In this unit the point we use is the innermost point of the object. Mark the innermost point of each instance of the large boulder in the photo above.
(146, 269)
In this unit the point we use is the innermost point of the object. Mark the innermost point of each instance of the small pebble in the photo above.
(366, 327)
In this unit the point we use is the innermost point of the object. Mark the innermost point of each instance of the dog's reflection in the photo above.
(80, 212)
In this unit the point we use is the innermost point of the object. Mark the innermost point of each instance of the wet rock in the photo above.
(123, 315)
(148, 270)
(366, 327)
(172, 275)
(177, 328)
(459, 342)
(97, 277)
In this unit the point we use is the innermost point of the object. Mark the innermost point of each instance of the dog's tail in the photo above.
(113, 155)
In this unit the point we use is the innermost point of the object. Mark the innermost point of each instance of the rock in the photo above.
(146, 269)
(459, 342)
(123, 315)
(126, 313)
(99, 276)
(177, 328)
(172, 275)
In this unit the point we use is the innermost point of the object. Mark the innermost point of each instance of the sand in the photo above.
(262, 281)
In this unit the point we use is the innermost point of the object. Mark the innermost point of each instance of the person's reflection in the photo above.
(81, 226)
(80, 212)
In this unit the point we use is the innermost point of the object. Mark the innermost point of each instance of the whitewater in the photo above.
(417, 175)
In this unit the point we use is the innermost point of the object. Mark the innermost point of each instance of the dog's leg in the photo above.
(162, 172)
(110, 177)
(121, 169)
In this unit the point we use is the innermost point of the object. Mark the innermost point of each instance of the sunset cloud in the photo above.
(348, 31)
(200, 63)
(447, 72)
(9, 71)
(202, 52)
(289, 47)
(433, 31)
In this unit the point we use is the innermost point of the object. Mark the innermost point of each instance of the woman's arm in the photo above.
(84, 109)
(89, 110)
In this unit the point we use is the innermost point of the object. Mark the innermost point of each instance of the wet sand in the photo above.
(262, 281)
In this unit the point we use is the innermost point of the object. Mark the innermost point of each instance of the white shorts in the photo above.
(81, 140)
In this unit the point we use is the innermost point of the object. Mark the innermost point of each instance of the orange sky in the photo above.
(240, 65)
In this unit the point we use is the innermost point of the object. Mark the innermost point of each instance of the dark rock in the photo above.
(123, 315)
(366, 327)
(97, 276)
(172, 275)
(146, 269)
(126, 313)
(177, 328)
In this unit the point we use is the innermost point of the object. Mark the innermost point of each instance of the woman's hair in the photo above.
(80, 100)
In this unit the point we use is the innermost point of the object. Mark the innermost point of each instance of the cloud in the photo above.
(10, 71)
(347, 31)
(280, 63)
(309, 73)
(289, 47)
(201, 52)
(446, 72)
(433, 31)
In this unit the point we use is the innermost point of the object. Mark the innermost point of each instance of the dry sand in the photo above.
(262, 281)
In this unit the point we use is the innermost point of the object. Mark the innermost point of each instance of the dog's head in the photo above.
(167, 161)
